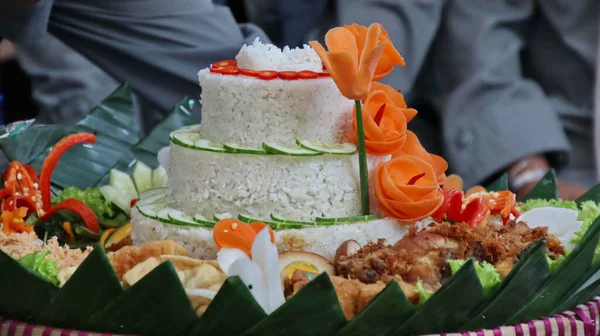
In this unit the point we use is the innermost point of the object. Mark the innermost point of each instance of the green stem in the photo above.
(362, 160)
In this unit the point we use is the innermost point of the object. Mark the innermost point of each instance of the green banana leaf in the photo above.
(580, 297)
(92, 286)
(545, 189)
(500, 184)
(449, 307)
(23, 293)
(235, 299)
(314, 310)
(591, 195)
(568, 275)
(514, 291)
(382, 314)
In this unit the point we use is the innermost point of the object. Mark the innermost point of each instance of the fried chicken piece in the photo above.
(127, 257)
(423, 255)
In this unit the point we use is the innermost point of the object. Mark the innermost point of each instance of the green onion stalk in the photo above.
(362, 160)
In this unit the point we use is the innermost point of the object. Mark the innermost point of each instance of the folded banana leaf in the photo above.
(385, 311)
(235, 299)
(23, 293)
(449, 307)
(514, 291)
(591, 195)
(92, 286)
(155, 305)
(314, 310)
(569, 274)
(500, 184)
(546, 188)
(580, 297)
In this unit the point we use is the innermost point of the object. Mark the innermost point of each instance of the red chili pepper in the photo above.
(288, 75)
(4, 193)
(133, 202)
(476, 213)
(80, 208)
(52, 160)
(379, 114)
(248, 72)
(14, 202)
(32, 173)
(324, 74)
(224, 64)
(307, 74)
(451, 207)
(216, 70)
(415, 178)
(268, 74)
(230, 71)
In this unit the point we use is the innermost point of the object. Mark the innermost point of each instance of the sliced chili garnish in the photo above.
(218, 70)
(379, 114)
(52, 160)
(69, 230)
(453, 212)
(476, 213)
(230, 71)
(288, 75)
(32, 173)
(14, 202)
(224, 64)
(415, 178)
(133, 202)
(324, 74)
(268, 74)
(307, 74)
(248, 72)
(78, 207)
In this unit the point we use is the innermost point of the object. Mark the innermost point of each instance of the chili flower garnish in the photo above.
(23, 189)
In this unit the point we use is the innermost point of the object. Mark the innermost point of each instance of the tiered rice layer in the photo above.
(299, 188)
(249, 111)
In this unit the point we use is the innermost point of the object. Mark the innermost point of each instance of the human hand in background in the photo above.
(526, 173)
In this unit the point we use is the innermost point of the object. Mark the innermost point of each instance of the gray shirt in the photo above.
(156, 46)
(515, 78)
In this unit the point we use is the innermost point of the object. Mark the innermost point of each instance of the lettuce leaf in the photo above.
(37, 262)
(423, 294)
(540, 203)
(588, 213)
(488, 276)
(555, 263)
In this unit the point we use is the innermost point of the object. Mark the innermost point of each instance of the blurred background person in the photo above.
(514, 82)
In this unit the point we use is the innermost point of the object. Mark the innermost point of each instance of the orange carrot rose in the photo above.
(412, 146)
(384, 124)
(353, 62)
(396, 98)
(407, 188)
(390, 56)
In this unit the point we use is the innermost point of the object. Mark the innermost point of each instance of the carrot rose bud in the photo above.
(413, 146)
(407, 188)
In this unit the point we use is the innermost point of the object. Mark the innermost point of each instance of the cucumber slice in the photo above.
(288, 150)
(185, 139)
(113, 195)
(180, 218)
(152, 192)
(351, 219)
(150, 210)
(203, 221)
(123, 183)
(328, 148)
(142, 176)
(159, 177)
(219, 216)
(279, 219)
(235, 148)
(250, 219)
(163, 215)
(284, 226)
(207, 145)
(154, 199)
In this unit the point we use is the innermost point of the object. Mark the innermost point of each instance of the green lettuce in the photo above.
(486, 272)
(93, 198)
(540, 203)
(555, 263)
(423, 294)
(37, 262)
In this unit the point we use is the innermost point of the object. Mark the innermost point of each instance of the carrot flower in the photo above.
(413, 146)
(384, 124)
(390, 56)
(354, 55)
(407, 188)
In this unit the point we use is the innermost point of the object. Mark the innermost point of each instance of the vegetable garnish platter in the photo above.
(301, 205)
